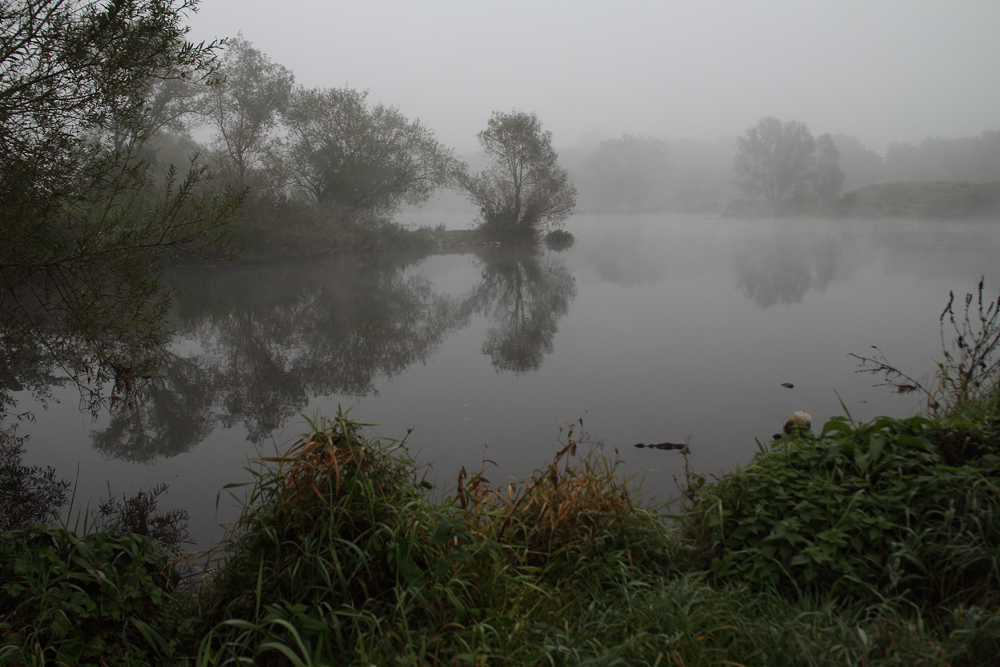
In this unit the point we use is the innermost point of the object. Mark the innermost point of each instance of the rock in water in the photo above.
(800, 419)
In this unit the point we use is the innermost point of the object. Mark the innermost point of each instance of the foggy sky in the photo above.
(881, 71)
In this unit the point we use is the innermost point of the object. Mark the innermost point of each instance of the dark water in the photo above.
(650, 329)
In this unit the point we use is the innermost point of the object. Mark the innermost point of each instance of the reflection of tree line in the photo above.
(782, 269)
(269, 338)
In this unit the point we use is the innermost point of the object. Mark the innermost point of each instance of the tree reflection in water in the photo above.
(782, 269)
(524, 293)
(254, 344)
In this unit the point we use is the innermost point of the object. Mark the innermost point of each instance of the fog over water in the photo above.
(651, 328)
(880, 71)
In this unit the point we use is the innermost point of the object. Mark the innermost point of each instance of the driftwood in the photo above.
(662, 445)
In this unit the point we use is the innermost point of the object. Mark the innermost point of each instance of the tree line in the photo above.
(775, 166)
(328, 169)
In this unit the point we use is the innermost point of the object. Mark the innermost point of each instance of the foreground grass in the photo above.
(870, 544)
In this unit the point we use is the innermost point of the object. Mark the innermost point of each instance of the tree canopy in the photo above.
(779, 161)
(346, 153)
(245, 107)
(523, 191)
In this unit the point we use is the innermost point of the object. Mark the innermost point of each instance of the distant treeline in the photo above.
(915, 199)
(328, 170)
(935, 178)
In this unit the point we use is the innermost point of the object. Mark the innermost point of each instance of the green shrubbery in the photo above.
(97, 599)
(870, 512)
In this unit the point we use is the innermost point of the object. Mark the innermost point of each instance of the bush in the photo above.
(867, 511)
(96, 599)
(559, 239)
(930, 199)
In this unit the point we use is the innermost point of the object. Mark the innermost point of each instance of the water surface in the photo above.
(649, 328)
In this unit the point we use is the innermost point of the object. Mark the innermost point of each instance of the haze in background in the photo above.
(879, 71)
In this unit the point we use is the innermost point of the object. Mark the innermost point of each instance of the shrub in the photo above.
(869, 511)
(96, 599)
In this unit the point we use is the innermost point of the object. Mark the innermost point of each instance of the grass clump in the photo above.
(337, 541)
(342, 554)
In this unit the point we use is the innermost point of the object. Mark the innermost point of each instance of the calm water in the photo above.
(650, 329)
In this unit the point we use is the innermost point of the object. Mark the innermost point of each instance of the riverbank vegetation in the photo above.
(867, 543)
(933, 199)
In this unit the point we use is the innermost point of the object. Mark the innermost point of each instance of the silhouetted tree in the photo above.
(523, 191)
(774, 158)
(778, 161)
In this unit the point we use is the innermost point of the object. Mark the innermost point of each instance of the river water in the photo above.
(649, 329)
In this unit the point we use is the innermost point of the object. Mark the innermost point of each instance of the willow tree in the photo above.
(523, 191)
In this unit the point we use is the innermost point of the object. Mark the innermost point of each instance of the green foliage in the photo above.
(335, 540)
(869, 511)
(96, 599)
(568, 516)
(926, 199)
(342, 556)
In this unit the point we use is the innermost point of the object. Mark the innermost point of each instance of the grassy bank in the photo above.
(873, 543)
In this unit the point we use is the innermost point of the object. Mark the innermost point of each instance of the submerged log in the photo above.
(662, 445)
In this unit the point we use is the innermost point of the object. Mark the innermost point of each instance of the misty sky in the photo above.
(882, 71)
